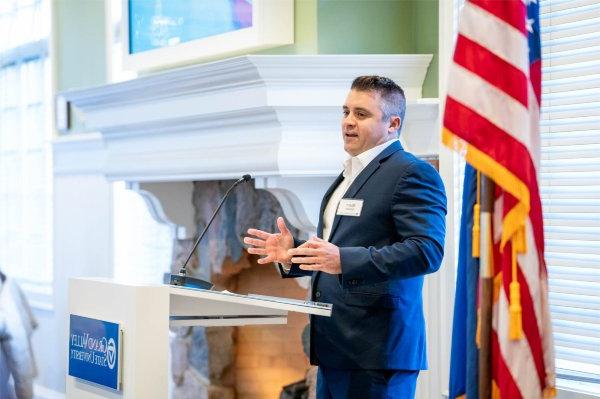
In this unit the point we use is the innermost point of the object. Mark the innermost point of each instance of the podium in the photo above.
(121, 329)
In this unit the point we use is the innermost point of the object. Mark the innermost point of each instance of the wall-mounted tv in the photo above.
(162, 33)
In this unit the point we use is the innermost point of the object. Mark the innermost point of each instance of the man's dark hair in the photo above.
(392, 95)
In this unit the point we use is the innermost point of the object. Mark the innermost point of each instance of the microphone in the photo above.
(182, 279)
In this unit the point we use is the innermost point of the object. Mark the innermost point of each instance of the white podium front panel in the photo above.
(144, 314)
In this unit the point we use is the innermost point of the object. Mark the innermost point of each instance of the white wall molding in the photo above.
(306, 74)
(260, 114)
(156, 209)
(270, 116)
(174, 197)
(78, 154)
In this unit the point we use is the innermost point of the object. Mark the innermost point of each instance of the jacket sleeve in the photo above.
(294, 271)
(418, 210)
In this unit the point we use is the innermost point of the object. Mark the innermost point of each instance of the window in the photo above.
(143, 246)
(570, 184)
(25, 151)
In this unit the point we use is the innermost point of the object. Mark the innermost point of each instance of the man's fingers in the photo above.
(310, 244)
(258, 233)
(306, 259)
(313, 242)
(266, 259)
(315, 266)
(303, 251)
(257, 251)
(254, 241)
(281, 226)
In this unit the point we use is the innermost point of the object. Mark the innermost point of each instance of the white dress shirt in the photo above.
(352, 168)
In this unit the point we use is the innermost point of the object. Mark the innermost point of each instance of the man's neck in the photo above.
(373, 150)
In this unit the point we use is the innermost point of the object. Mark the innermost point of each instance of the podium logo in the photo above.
(98, 351)
(111, 353)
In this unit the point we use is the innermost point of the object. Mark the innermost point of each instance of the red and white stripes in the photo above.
(492, 112)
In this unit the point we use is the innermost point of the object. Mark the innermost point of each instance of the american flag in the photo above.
(492, 116)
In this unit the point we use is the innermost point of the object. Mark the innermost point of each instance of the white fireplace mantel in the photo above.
(275, 117)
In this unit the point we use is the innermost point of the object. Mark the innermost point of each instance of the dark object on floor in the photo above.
(295, 390)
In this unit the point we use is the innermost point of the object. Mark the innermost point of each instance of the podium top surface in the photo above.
(273, 302)
(264, 301)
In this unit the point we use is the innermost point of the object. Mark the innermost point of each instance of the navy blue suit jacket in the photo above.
(377, 320)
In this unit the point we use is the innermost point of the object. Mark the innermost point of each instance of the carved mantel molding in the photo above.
(275, 117)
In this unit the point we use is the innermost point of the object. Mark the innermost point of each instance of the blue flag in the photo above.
(464, 356)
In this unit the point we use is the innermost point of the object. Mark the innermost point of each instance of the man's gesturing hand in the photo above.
(317, 254)
(274, 246)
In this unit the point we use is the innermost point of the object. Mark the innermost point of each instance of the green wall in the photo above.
(320, 27)
(79, 45)
(367, 27)
(426, 30)
(305, 31)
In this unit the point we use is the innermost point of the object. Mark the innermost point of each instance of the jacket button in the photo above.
(318, 294)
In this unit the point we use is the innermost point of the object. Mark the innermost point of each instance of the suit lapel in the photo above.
(326, 197)
(361, 179)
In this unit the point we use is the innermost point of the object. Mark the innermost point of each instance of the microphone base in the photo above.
(183, 281)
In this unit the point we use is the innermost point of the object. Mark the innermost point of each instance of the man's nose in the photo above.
(349, 120)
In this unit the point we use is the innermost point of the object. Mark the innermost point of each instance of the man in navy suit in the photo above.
(381, 228)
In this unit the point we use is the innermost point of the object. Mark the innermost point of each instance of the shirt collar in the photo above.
(354, 165)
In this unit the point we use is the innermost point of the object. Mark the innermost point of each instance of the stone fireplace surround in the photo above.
(275, 117)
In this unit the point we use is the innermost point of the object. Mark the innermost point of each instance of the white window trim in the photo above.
(39, 294)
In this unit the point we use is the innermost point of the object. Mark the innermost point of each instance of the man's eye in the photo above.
(345, 113)
(361, 114)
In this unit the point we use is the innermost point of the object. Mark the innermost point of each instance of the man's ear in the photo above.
(394, 125)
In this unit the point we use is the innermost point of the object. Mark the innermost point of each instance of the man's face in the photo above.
(362, 125)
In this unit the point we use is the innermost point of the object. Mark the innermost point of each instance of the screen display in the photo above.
(157, 24)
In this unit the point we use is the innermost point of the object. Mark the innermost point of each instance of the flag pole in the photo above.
(486, 288)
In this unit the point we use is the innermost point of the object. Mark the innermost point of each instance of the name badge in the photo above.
(350, 207)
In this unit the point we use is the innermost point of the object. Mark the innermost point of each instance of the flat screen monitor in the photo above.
(160, 33)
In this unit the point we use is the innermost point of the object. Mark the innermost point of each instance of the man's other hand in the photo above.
(317, 254)
(273, 247)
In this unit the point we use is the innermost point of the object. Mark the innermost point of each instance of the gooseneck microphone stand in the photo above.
(182, 279)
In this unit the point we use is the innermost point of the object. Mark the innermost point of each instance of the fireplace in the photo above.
(178, 137)
(246, 361)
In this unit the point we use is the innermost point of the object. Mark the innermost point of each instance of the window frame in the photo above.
(39, 291)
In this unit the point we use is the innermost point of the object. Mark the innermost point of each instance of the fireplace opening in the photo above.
(245, 361)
